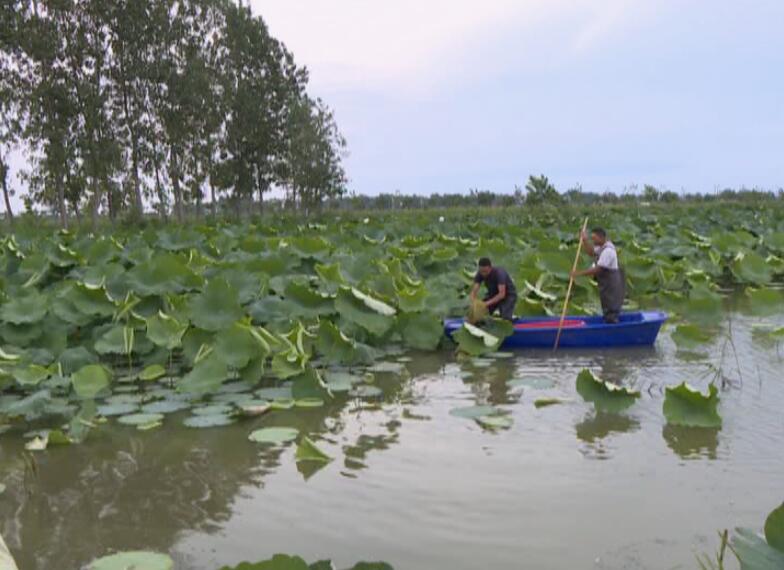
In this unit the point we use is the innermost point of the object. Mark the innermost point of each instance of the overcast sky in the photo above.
(443, 96)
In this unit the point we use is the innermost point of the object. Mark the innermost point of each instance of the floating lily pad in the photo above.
(212, 410)
(544, 402)
(274, 393)
(274, 435)
(309, 403)
(132, 561)
(474, 412)
(501, 355)
(495, 422)
(165, 407)
(140, 419)
(687, 406)
(254, 407)
(365, 391)
(109, 410)
(754, 552)
(282, 404)
(387, 367)
(208, 421)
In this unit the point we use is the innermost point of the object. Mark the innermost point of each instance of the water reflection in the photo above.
(126, 490)
(692, 442)
(597, 426)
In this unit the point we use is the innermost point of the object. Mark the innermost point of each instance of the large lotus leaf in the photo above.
(72, 359)
(117, 340)
(750, 267)
(309, 451)
(179, 238)
(217, 307)
(30, 406)
(20, 335)
(731, 243)
(135, 560)
(369, 313)
(754, 552)
(90, 300)
(239, 344)
(686, 406)
(307, 302)
(334, 346)
(289, 363)
(89, 380)
(704, 306)
(30, 307)
(766, 302)
(165, 331)
(774, 528)
(422, 331)
(30, 375)
(412, 299)
(195, 342)
(163, 273)
(245, 282)
(271, 310)
(277, 562)
(314, 247)
(557, 263)
(475, 341)
(331, 277)
(206, 376)
(605, 397)
(690, 337)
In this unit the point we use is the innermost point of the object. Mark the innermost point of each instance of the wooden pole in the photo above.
(571, 284)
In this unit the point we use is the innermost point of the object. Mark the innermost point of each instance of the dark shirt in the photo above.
(498, 276)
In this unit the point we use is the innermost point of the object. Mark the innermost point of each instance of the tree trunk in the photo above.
(159, 186)
(95, 203)
(213, 204)
(175, 176)
(61, 202)
(6, 195)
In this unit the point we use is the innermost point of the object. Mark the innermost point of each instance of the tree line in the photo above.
(539, 191)
(122, 104)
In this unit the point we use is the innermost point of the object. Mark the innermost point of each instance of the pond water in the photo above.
(415, 486)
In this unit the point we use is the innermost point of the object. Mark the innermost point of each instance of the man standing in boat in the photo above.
(607, 272)
(501, 292)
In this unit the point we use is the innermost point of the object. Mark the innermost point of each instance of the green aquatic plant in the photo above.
(605, 396)
(687, 406)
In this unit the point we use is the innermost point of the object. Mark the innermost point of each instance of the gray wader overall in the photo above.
(612, 290)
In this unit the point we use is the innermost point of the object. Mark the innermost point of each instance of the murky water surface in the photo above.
(564, 488)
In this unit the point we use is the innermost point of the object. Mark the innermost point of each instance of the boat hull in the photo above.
(634, 329)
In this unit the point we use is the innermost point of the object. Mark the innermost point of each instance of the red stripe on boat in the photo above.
(568, 324)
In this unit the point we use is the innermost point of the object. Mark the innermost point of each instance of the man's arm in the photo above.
(588, 249)
(500, 297)
(475, 289)
(587, 272)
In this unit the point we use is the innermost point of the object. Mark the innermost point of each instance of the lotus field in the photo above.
(134, 324)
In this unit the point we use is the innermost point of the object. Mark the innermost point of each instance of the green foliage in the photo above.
(605, 397)
(686, 406)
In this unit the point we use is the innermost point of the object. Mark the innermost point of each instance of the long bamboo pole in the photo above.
(571, 284)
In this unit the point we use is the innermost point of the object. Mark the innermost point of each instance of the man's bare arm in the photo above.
(500, 297)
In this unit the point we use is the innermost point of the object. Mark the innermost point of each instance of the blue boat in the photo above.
(634, 329)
